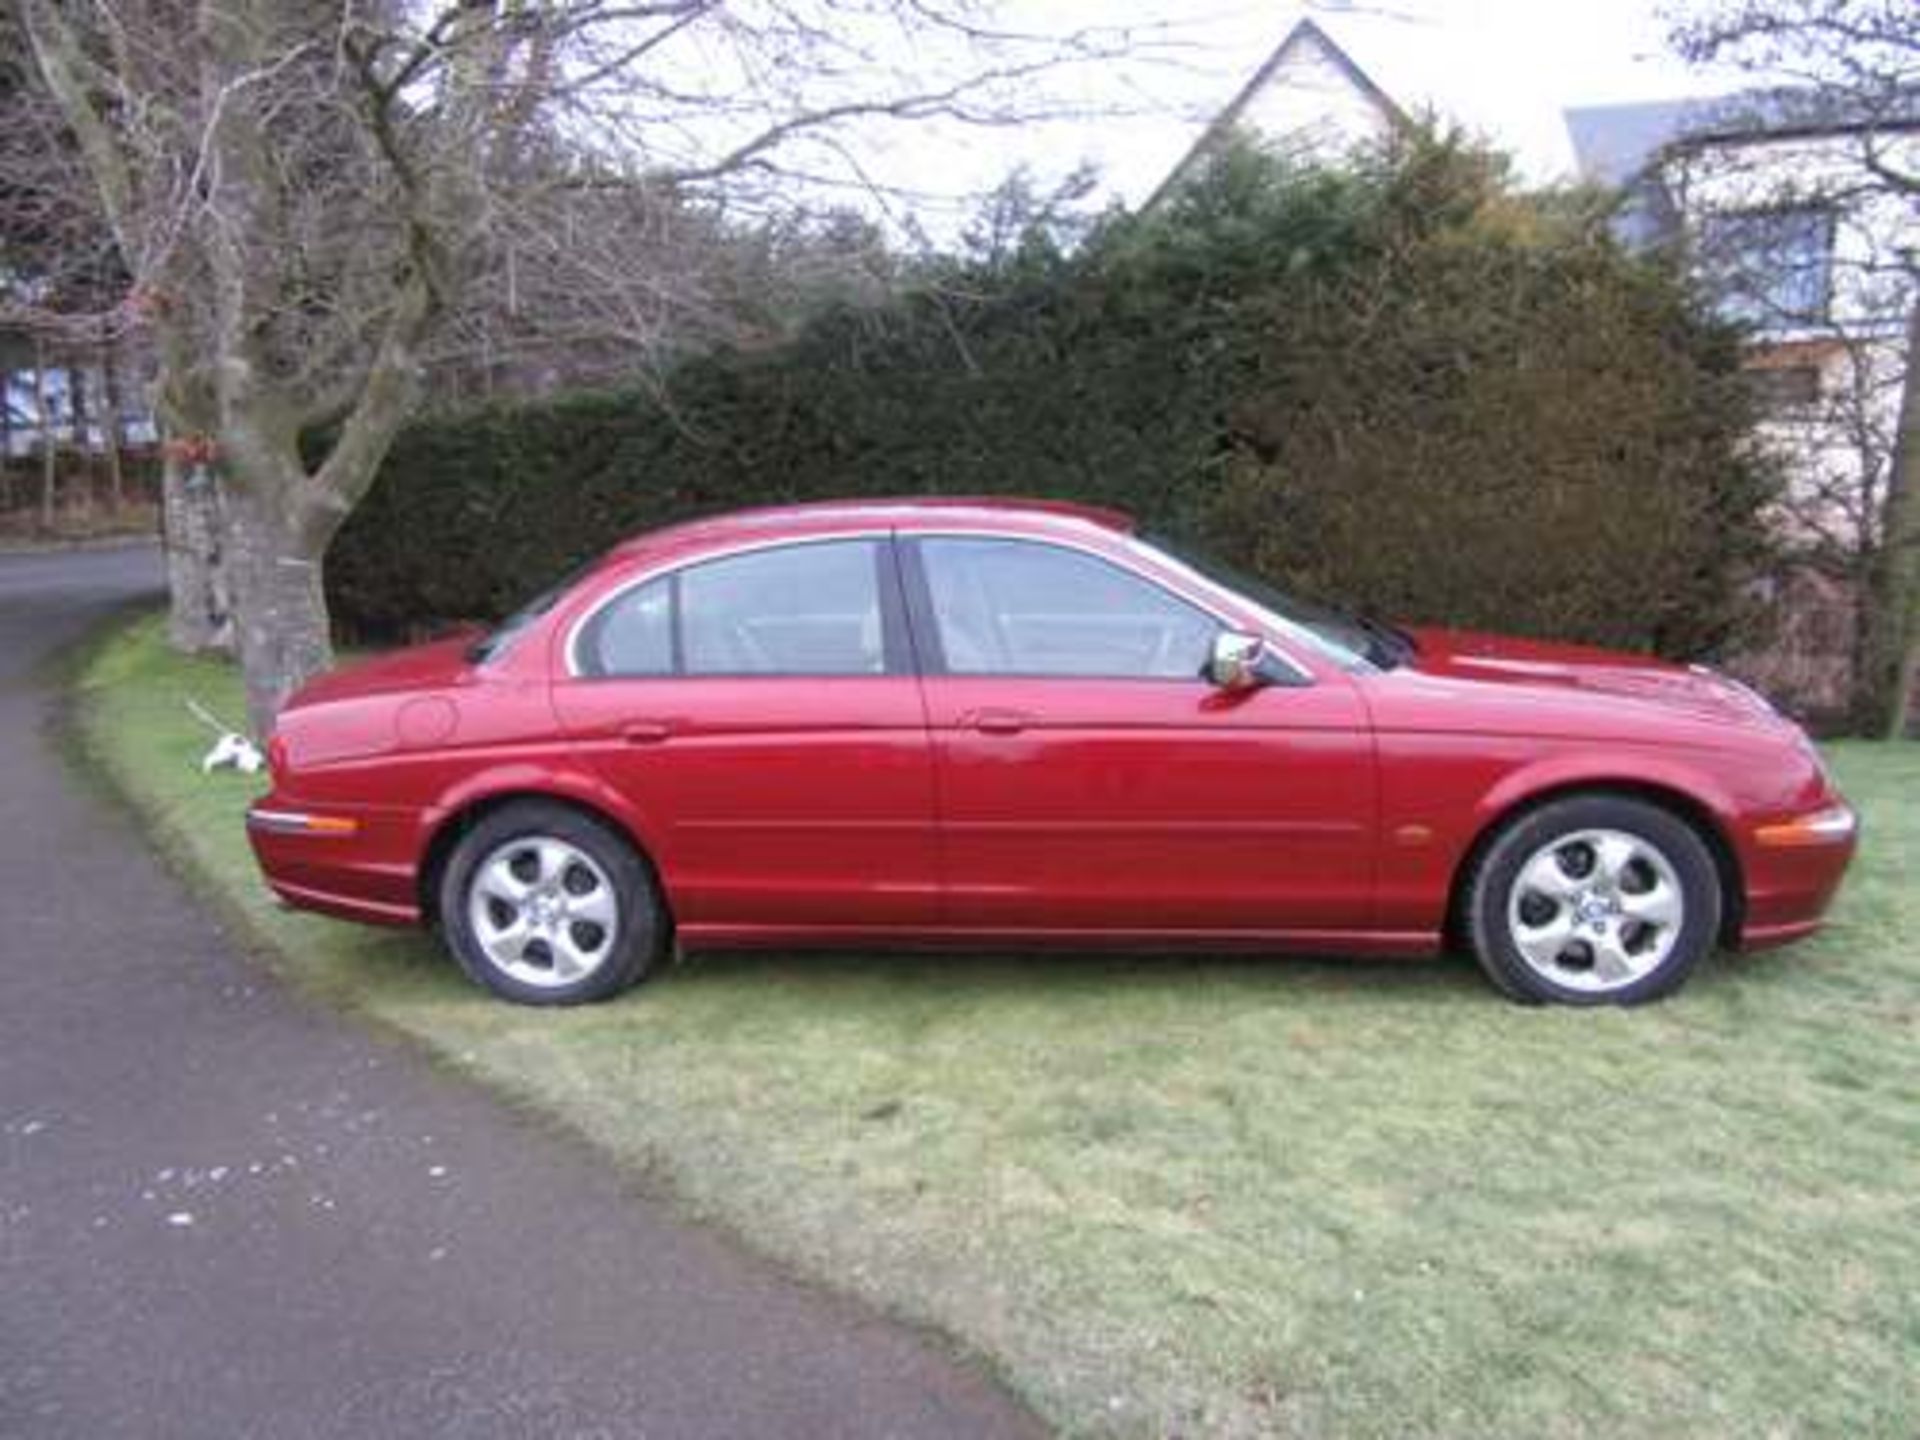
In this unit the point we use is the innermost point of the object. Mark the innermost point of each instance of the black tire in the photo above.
(1560, 829)
(625, 952)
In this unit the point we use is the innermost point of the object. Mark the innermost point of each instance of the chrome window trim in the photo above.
(571, 645)
(1205, 604)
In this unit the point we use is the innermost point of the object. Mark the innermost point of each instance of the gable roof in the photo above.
(1304, 35)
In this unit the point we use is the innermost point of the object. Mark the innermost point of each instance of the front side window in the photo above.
(1012, 607)
(809, 609)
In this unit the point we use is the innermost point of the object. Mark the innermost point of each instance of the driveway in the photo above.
(225, 1211)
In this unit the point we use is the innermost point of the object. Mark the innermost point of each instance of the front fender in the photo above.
(1441, 795)
(1693, 785)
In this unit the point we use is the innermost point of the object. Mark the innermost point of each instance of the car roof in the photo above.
(912, 512)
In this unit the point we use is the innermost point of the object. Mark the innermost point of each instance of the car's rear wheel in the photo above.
(545, 905)
(1594, 900)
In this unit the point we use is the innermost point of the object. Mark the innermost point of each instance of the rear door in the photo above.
(1091, 779)
(759, 709)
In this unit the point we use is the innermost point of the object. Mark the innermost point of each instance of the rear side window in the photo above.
(809, 609)
(632, 634)
(804, 610)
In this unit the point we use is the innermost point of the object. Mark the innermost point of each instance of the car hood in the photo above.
(418, 667)
(1613, 675)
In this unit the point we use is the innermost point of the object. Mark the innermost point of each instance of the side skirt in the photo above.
(1408, 944)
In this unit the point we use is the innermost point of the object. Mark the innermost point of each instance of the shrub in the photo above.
(1403, 386)
(1494, 417)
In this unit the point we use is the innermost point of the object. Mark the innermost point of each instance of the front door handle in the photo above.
(645, 732)
(999, 722)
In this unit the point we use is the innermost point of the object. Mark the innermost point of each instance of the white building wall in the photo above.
(1312, 106)
(1838, 443)
(1875, 235)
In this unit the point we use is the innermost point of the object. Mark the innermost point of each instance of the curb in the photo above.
(58, 546)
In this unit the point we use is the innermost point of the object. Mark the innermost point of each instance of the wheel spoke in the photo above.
(570, 962)
(596, 905)
(508, 943)
(496, 878)
(1544, 875)
(554, 859)
(1611, 962)
(1660, 907)
(1542, 944)
(1613, 855)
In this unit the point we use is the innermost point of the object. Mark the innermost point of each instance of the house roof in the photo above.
(1615, 144)
(1304, 35)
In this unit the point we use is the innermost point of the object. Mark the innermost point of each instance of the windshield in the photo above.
(494, 644)
(1353, 641)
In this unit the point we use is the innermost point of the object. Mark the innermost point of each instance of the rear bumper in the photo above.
(351, 861)
(344, 907)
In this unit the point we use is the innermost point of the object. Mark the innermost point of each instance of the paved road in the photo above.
(226, 1212)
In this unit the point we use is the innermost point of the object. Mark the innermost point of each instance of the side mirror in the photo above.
(1237, 661)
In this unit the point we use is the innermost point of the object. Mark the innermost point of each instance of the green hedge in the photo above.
(1404, 387)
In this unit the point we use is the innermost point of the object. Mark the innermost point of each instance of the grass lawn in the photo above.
(1171, 1196)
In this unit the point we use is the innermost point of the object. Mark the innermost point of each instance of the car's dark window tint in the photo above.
(811, 609)
(632, 634)
(1009, 607)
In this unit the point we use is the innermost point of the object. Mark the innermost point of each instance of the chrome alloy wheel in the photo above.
(543, 911)
(1596, 910)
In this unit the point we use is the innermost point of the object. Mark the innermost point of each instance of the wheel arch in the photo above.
(473, 804)
(1676, 799)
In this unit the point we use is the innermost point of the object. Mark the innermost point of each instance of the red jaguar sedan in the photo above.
(1006, 723)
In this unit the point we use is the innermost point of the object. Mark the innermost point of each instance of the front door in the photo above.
(1090, 778)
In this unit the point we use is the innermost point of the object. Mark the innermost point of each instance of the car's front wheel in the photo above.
(1594, 900)
(545, 905)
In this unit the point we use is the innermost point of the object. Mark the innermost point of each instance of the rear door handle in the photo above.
(645, 732)
(1000, 722)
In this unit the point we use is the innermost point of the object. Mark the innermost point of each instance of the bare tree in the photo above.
(1847, 78)
(65, 292)
(302, 194)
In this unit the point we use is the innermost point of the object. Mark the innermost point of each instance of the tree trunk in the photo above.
(272, 558)
(1892, 604)
(49, 438)
(197, 609)
(1906, 710)
(280, 518)
(6, 442)
(110, 432)
(79, 414)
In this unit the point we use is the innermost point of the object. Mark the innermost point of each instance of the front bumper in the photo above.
(1794, 865)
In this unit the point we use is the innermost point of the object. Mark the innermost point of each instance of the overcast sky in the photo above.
(1505, 68)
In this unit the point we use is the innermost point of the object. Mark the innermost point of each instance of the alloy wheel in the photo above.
(543, 911)
(1596, 910)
